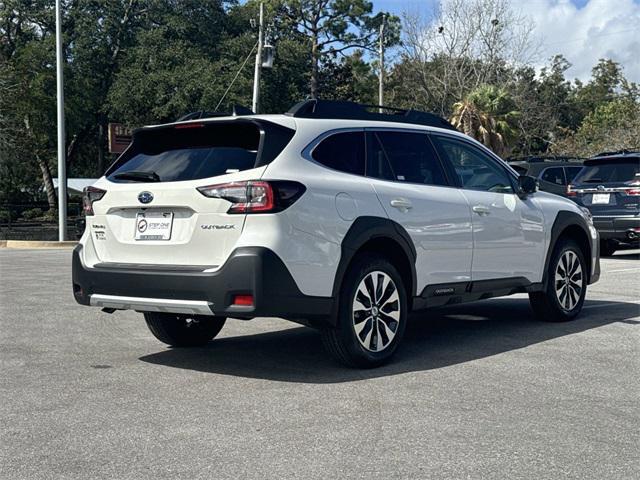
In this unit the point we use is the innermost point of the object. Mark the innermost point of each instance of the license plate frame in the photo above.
(153, 226)
(600, 198)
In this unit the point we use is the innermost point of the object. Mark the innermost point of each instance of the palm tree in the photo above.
(487, 114)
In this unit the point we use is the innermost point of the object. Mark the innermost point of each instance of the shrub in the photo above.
(5, 216)
(32, 213)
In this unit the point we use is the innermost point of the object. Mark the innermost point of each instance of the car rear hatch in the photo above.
(608, 187)
(150, 211)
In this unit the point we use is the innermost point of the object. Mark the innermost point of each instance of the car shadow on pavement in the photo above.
(439, 338)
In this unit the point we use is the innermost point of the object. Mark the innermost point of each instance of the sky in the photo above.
(582, 30)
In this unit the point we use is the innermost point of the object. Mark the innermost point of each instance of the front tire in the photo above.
(566, 286)
(372, 314)
(183, 330)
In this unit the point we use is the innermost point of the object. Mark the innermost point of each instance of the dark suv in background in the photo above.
(553, 173)
(609, 186)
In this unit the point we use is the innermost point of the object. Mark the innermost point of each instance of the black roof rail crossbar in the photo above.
(335, 109)
(237, 111)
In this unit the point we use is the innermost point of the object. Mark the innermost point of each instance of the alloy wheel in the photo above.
(376, 311)
(569, 280)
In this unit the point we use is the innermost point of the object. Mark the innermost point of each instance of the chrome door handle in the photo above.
(481, 209)
(401, 203)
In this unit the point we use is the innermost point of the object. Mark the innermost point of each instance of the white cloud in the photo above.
(599, 29)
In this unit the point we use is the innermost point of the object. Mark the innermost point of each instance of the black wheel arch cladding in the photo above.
(368, 230)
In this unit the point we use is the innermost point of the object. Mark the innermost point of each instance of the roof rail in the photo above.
(237, 111)
(624, 151)
(336, 109)
(545, 158)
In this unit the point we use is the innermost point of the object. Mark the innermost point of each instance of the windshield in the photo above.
(610, 172)
(193, 151)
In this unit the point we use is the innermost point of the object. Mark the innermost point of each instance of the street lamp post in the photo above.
(62, 163)
(381, 72)
(256, 73)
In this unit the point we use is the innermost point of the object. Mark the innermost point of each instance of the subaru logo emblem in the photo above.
(145, 197)
(600, 187)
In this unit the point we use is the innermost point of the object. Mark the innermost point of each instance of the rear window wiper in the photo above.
(593, 180)
(138, 176)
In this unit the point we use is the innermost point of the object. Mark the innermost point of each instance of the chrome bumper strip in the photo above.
(169, 305)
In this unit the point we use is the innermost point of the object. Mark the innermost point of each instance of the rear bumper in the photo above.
(623, 229)
(252, 271)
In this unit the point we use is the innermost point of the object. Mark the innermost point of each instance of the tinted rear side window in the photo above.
(343, 152)
(609, 172)
(553, 175)
(404, 157)
(194, 151)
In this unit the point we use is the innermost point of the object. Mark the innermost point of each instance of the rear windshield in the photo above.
(193, 151)
(609, 172)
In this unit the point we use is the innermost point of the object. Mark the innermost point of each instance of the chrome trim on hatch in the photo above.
(143, 304)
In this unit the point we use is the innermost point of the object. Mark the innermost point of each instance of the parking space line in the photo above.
(605, 305)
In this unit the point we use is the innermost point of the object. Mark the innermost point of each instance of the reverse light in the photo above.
(90, 195)
(255, 196)
(570, 191)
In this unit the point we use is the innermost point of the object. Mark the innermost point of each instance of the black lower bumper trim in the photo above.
(253, 271)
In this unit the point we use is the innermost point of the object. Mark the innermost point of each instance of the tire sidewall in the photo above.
(362, 267)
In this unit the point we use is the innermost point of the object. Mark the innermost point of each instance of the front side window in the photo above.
(475, 169)
(553, 175)
(342, 151)
(404, 157)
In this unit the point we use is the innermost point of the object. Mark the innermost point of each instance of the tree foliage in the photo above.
(150, 61)
(488, 115)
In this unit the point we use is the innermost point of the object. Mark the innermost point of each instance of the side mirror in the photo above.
(527, 185)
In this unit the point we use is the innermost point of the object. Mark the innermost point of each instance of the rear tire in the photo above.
(608, 248)
(183, 330)
(566, 286)
(372, 314)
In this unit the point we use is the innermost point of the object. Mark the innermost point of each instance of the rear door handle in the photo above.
(481, 209)
(401, 204)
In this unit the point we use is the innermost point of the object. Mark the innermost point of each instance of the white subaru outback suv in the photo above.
(329, 215)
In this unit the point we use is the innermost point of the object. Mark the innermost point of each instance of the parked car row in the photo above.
(608, 185)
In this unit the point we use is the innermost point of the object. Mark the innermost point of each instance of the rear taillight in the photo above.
(633, 191)
(255, 196)
(90, 195)
(570, 191)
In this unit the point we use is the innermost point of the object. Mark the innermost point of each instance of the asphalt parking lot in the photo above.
(477, 391)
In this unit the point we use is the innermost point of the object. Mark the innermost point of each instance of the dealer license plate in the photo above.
(600, 198)
(154, 225)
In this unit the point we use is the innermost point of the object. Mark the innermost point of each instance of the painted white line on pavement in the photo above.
(637, 269)
(607, 305)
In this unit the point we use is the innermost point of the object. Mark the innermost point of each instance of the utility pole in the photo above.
(62, 161)
(256, 74)
(381, 69)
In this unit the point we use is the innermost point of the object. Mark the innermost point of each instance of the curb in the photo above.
(36, 244)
